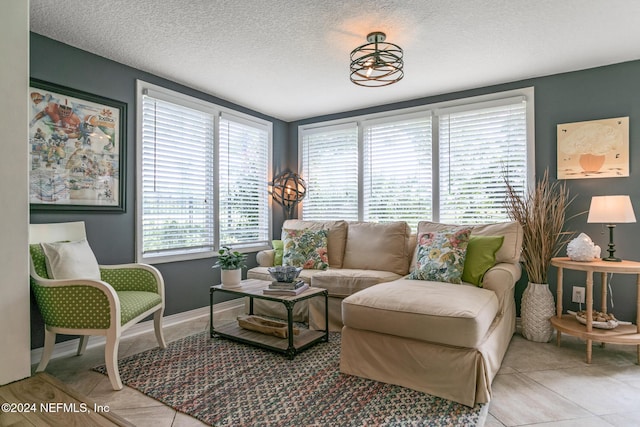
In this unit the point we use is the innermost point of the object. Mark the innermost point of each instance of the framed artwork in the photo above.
(594, 149)
(77, 149)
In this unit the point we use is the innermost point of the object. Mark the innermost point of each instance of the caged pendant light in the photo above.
(376, 63)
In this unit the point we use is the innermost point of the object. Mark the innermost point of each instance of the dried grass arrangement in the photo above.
(541, 213)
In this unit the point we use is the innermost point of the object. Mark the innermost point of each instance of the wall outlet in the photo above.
(578, 294)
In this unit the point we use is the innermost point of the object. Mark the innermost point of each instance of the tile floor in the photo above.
(539, 384)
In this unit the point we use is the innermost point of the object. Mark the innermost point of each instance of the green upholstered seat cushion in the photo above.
(134, 303)
(481, 256)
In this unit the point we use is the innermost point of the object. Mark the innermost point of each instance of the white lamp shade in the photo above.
(611, 210)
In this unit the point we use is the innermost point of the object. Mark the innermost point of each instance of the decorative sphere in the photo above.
(582, 249)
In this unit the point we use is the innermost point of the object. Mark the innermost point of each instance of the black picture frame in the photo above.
(77, 147)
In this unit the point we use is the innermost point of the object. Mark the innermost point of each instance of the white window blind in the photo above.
(177, 180)
(330, 168)
(397, 169)
(477, 147)
(243, 175)
(445, 162)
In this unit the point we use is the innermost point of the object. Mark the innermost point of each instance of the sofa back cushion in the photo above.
(512, 232)
(378, 246)
(511, 246)
(336, 236)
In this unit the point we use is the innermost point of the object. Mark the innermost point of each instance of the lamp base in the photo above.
(612, 247)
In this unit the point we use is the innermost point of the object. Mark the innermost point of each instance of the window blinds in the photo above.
(397, 169)
(177, 180)
(243, 176)
(330, 168)
(477, 148)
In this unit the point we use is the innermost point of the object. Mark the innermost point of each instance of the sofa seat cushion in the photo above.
(346, 281)
(262, 273)
(444, 313)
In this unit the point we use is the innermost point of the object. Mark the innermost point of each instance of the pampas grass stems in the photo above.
(541, 213)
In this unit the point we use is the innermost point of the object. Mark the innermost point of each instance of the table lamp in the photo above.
(611, 210)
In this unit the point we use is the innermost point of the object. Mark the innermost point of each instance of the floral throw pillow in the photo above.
(305, 248)
(441, 255)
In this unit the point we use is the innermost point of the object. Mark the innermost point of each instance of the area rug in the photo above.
(225, 383)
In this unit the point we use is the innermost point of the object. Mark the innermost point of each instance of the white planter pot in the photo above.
(537, 307)
(231, 278)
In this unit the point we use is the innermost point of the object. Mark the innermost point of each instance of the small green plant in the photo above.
(230, 260)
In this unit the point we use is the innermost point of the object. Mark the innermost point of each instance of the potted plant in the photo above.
(231, 264)
(541, 212)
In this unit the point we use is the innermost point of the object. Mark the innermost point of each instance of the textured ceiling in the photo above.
(290, 58)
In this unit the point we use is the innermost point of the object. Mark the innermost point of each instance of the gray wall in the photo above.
(598, 93)
(112, 235)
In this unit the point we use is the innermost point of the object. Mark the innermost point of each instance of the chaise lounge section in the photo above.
(440, 338)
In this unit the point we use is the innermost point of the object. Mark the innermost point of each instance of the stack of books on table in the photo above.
(286, 288)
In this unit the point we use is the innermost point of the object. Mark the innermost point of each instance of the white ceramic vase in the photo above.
(537, 307)
(231, 278)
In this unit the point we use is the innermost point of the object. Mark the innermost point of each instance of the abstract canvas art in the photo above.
(594, 149)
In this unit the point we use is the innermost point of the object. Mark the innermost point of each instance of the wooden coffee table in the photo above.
(290, 346)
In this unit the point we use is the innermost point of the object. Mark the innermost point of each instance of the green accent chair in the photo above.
(125, 295)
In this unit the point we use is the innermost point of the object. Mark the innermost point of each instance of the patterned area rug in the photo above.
(225, 383)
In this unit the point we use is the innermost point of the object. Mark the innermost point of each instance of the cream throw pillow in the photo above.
(71, 260)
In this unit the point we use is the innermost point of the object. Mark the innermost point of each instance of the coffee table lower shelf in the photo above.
(306, 338)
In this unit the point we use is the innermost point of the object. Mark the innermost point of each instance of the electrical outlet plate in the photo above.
(578, 294)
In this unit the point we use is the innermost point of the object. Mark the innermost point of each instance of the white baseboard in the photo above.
(227, 309)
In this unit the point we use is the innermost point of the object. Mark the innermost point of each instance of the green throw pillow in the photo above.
(305, 248)
(441, 255)
(278, 246)
(481, 256)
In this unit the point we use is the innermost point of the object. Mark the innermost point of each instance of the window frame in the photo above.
(168, 95)
(434, 110)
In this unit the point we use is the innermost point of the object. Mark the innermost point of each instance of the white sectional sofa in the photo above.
(441, 338)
